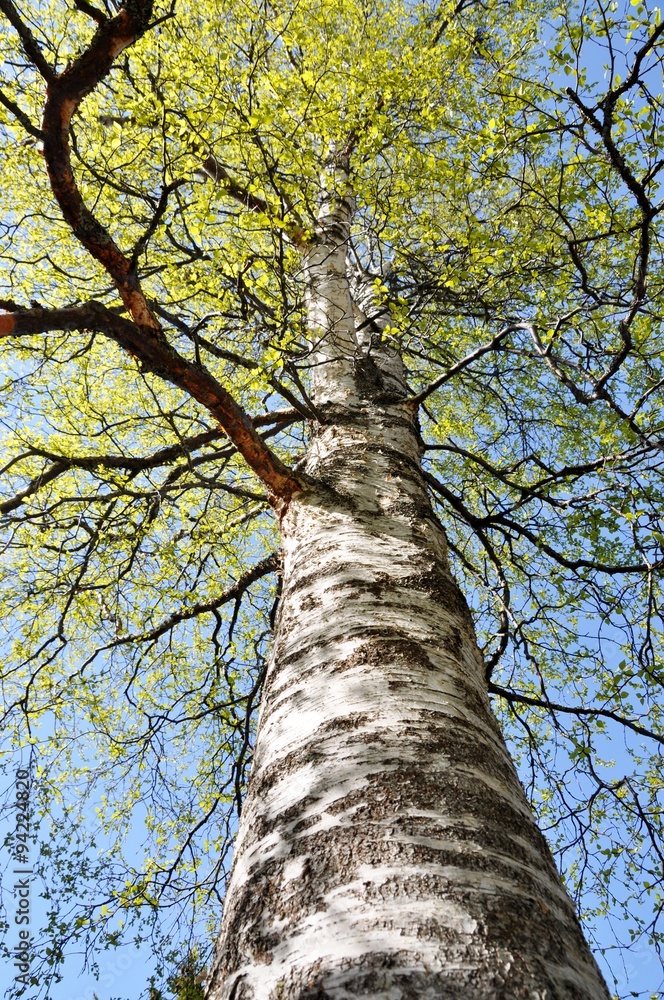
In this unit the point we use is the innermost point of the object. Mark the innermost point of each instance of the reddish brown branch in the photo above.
(157, 355)
(64, 94)
(143, 338)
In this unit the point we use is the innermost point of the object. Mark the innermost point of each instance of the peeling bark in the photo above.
(386, 847)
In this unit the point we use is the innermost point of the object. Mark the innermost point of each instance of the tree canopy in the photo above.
(506, 160)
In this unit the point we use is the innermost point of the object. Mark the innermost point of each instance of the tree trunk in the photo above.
(386, 848)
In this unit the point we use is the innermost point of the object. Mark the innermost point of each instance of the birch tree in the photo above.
(332, 412)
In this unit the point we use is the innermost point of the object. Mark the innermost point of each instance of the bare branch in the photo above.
(578, 710)
(504, 524)
(465, 362)
(261, 569)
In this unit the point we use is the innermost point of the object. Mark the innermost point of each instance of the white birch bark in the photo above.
(386, 848)
(333, 343)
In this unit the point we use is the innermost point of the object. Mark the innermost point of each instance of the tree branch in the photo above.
(468, 360)
(28, 40)
(64, 95)
(261, 569)
(20, 116)
(578, 710)
(158, 356)
(304, 409)
(445, 22)
(47, 476)
(91, 11)
(61, 463)
(133, 464)
(144, 338)
(159, 213)
(217, 172)
(537, 489)
(505, 525)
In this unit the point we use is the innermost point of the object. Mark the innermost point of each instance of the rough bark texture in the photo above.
(386, 848)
